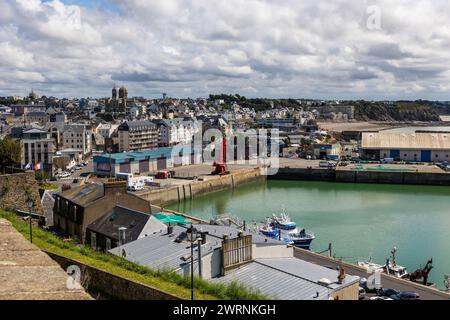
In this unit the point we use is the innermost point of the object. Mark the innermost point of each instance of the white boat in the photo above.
(391, 267)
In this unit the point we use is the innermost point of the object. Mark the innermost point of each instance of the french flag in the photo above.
(38, 166)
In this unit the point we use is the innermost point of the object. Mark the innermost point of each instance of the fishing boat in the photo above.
(391, 267)
(268, 230)
(283, 228)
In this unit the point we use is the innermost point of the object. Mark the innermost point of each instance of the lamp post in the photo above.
(30, 204)
(192, 234)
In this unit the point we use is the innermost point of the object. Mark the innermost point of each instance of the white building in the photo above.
(106, 130)
(417, 146)
(176, 131)
(38, 148)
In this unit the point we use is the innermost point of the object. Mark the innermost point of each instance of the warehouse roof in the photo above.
(287, 279)
(161, 251)
(155, 153)
(428, 141)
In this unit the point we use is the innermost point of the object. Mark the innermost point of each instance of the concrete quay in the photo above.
(387, 281)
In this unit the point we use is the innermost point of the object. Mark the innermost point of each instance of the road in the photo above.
(426, 293)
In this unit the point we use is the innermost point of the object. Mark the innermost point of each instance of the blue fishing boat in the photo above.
(283, 228)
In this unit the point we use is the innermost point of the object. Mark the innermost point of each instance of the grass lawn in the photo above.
(166, 281)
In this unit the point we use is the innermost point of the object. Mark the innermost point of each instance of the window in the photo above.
(93, 240)
(108, 244)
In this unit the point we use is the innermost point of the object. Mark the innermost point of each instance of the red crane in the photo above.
(220, 166)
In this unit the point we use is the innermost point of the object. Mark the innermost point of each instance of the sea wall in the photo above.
(108, 285)
(356, 176)
(304, 174)
(195, 188)
(14, 190)
(393, 177)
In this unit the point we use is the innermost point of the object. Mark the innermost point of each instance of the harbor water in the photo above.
(360, 220)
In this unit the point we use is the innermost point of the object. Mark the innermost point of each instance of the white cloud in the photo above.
(257, 47)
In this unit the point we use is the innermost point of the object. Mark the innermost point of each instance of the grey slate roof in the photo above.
(286, 279)
(119, 216)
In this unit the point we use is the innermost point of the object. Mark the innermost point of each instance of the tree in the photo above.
(10, 153)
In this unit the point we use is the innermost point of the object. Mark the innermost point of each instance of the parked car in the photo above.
(362, 293)
(381, 298)
(387, 292)
(406, 295)
(327, 164)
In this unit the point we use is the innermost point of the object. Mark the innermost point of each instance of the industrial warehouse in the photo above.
(417, 147)
(145, 161)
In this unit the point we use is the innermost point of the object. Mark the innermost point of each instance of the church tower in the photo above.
(114, 92)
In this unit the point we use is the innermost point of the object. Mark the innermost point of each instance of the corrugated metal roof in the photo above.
(287, 278)
(160, 251)
(428, 141)
(275, 283)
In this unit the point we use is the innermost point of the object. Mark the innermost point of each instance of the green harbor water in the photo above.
(360, 220)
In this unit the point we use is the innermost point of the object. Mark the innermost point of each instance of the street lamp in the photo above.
(192, 235)
(30, 204)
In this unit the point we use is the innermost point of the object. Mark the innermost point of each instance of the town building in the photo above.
(77, 208)
(147, 161)
(38, 148)
(327, 150)
(121, 225)
(137, 135)
(77, 136)
(416, 147)
(38, 117)
(23, 109)
(176, 131)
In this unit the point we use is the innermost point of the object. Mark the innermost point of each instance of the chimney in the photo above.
(203, 235)
(341, 275)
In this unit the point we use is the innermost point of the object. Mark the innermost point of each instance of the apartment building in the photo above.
(176, 131)
(137, 135)
(77, 136)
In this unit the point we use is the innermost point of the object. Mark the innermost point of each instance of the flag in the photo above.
(38, 166)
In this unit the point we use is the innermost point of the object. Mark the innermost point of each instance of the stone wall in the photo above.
(211, 184)
(13, 188)
(107, 285)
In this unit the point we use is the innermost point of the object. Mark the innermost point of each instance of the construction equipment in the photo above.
(422, 274)
(220, 169)
(220, 166)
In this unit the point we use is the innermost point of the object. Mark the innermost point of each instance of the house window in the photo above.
(93, 240)
(108, 244)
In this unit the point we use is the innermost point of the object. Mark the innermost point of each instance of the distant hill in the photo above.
(399, 111)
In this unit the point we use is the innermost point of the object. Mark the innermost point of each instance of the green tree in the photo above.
(10, 153)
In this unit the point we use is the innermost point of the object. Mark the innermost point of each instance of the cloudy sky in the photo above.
(257, 48)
